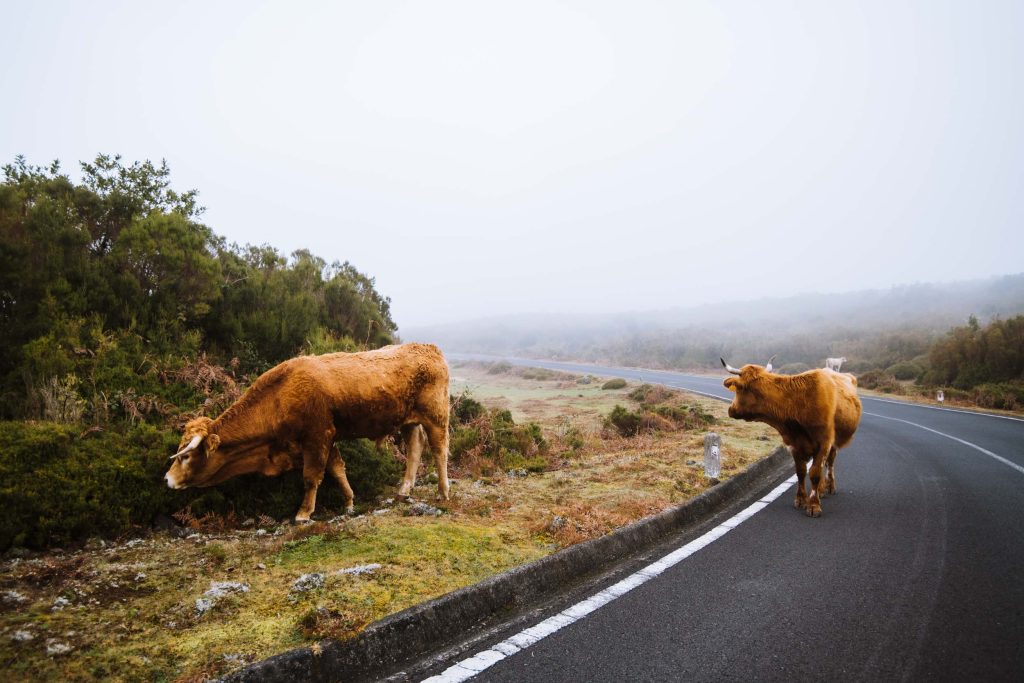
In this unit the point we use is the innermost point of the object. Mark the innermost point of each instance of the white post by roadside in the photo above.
(712, 455)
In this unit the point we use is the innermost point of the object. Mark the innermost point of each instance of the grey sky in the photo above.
(482, 158)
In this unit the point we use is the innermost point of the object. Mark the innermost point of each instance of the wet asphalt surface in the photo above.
(914, 571)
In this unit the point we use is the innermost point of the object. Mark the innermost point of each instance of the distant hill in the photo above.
(871, 327)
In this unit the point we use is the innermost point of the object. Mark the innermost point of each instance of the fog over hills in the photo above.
(807, 327)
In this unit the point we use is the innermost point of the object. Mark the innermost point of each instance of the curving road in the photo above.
(914, 571)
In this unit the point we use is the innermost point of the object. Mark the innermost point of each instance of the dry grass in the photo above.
(131, 610)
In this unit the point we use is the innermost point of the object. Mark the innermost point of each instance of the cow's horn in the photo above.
(192, 445)
(729, 367)
(768, 367)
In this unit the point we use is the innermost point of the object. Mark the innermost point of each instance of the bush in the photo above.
(464, 408)
(371, 471)
(499, 368)
(657, 418)
(57, 486)
(650, 394)
(625, 422)
(905, 370)
(617, 383)
(1006, 396)
(493, 442)
(878, 380)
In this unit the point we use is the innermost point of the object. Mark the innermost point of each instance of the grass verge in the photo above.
(128, 610)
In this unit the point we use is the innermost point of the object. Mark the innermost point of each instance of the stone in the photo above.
(423, 509)
(204, 605)
(217, 591)
(55, 648)
(308, 582)
(22, 636)
(13, 598)
(359, 569)
(60, 603)
(220, 589)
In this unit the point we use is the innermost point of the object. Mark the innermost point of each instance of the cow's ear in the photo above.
(212, 441)
(730, 383)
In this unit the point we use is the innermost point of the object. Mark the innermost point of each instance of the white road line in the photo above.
(471, 666)
(976, 447)
(945, 410)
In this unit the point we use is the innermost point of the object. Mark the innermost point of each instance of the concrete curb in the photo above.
(415, 632)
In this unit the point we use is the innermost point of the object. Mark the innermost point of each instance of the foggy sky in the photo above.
(485, 158)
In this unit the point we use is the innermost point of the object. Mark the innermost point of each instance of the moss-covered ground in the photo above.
(127, 610)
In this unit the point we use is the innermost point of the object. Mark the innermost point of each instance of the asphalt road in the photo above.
(914, 571)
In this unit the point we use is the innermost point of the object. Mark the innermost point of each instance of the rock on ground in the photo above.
(308, 582)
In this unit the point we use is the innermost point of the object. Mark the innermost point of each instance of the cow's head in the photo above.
(192, 465)
(747, 384)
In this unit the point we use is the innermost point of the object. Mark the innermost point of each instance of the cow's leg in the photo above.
(314, 462)
(336, 466)
(801, 474)
(830, 485)
(412, 435)
(813, 508)
(437, 435)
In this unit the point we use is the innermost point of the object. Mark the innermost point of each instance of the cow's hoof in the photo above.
(303, 520)
(813, 511)
(350, 511)
(800, 503)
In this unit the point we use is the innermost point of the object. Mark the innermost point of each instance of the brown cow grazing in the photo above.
(293, 413)
(816, 412)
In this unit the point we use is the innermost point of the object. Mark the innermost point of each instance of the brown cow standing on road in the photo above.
(293, 413)
(816, 412)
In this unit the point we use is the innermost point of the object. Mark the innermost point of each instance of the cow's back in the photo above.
(373, 392)
(848, 408)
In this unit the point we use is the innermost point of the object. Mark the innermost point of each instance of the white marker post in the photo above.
(712, 455)
(941, 396)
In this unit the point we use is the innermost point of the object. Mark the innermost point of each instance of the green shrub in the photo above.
(57, 486)
(657, 418)
(625, 421)
(905, 370)
(371, 471)
(650, 394)
(686, 416)
(879, 380)
(617, 383)
(499, 368)
(1005, 396)
(464, 408)
(494, 442)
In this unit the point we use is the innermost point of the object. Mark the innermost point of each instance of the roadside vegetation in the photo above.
(124, 316)
(536, 467)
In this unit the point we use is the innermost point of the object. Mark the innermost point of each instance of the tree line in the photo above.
(973, 355)
(111, 286)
